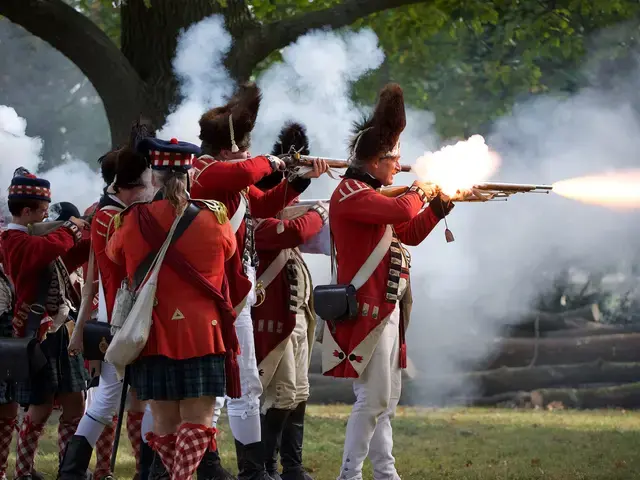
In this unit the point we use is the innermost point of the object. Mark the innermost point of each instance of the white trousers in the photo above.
(103, 404)
(289, 385)
(377, 393)
(244, 412)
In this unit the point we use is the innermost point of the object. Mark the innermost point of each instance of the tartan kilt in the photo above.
(62, 374)
(156, 377)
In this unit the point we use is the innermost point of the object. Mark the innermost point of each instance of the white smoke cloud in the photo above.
(464, 290)
(73, 181)
(204, 81)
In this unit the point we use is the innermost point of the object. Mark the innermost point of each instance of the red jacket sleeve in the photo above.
(414, 231)
(232, 176)
(296, 232)
(365, 205)
(268, 204)
(78, 254)
(39, 251)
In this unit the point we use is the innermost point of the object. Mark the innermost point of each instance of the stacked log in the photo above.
(568, 359)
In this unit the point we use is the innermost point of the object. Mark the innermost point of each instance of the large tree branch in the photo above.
(258, 43)
(83, 43)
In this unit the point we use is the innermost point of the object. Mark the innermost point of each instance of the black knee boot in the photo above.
(75, 461)
(210, 468)
(291, 446)
(251, 461)
(272, 426)
(146, 459)
(157, 471)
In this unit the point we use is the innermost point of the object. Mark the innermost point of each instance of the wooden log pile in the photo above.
(568, 360)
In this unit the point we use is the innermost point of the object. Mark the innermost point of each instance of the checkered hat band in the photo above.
(29, 190)
(171, 159)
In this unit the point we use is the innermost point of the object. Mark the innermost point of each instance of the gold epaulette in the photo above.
(218, 208)
(118, 219)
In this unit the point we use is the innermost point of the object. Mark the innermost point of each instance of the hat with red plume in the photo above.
(26, 186)
(378, 136)
(229, 127)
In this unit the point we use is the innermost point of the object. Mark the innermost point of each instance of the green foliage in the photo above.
(467, 61)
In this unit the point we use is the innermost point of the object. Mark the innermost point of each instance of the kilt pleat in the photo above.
(62, 374)
(158, 377)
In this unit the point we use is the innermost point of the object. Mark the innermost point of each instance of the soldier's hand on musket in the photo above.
(78, 222)
(430, 190)
(277, 164)
(319, 167)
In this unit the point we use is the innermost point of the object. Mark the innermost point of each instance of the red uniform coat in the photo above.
(224, 181)
(111, 274)
(186, 322)
(358, 219)
(276, 308)
(25, 259)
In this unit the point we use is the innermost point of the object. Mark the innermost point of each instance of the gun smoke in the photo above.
(465, 292)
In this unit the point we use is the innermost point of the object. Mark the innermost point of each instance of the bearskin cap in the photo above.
(242, 108)
(293, 136)
(378, 135)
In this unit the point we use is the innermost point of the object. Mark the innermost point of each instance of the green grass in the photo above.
(459, 444)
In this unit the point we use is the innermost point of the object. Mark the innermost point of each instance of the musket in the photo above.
(307, 161)
(482, 192)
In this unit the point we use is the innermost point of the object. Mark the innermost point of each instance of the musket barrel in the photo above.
(512, 187)
(335, 162)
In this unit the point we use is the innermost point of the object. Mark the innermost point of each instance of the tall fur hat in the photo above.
(378, 136)
(292, 136)
(229, 127)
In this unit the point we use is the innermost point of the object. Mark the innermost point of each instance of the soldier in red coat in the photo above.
(38, 267)
(284, 323)
(191, 353)
(370, 231)
(131, 183)
(227, 172)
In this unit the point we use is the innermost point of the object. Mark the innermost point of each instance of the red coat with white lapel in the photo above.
(225, 181)
(358, 219)
(276, 305)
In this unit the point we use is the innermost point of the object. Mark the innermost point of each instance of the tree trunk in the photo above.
(81, 41)
(590, 331)
(504, 380)
(521, 352)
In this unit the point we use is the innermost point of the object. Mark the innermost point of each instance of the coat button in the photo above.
(341, 355)
(214, 322)
(352, 357)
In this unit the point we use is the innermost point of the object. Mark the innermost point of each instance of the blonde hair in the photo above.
(174, 186)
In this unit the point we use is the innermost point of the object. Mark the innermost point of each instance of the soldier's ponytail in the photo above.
(173, 185)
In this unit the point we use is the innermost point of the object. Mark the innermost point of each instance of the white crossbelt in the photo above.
(370, 265)
(238, 216)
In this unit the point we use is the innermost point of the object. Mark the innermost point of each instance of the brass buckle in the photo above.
(261, 294)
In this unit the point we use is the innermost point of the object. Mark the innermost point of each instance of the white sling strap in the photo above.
(374, 259)
(237, 217)
(274, 268)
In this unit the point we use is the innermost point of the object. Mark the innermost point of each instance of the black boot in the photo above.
(251, 461)
(210, 468)
(157, 471)
(272, 427)
(291, 446)
(75, 461)
(146, 459)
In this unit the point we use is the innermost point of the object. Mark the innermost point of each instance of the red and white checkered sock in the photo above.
(134, 431)
(193, 440)
(104, 448)
(27, 445)
(6, 435)
(66, 430)
(165, 447)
